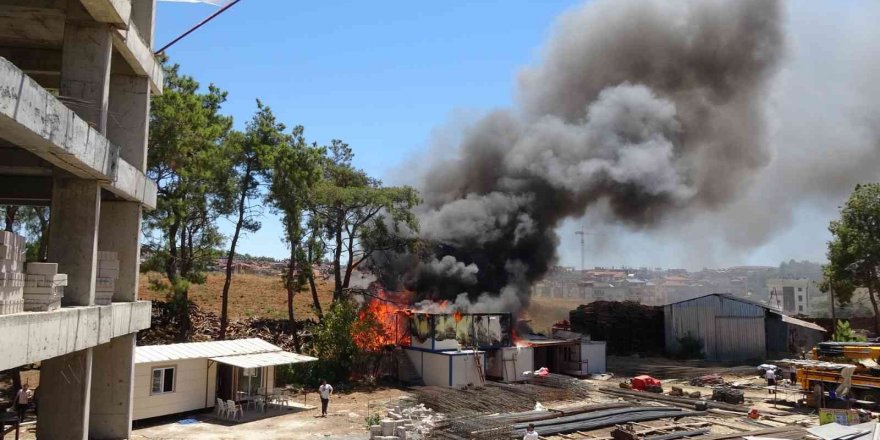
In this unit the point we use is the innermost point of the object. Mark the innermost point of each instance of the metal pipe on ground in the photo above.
(680, 434)
(602, 422)
(601, 414)
(534, 416)
(672, 399)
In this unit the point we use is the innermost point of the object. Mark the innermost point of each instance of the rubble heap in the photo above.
(12, 254)
(406, 422)
(44, 287)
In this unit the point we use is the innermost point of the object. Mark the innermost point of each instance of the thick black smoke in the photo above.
(653, 107)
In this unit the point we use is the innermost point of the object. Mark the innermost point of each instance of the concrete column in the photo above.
(112, 389)
(73, 236)
(143, 15)
(120, 232)
(129, 117)
(85, 65)
(65, 384)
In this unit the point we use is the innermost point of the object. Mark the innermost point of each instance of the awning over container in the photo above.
(798, 322)
(258, 360)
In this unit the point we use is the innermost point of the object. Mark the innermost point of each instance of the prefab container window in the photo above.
(163, 380)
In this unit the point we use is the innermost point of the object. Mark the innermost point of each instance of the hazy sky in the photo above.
(388, 77)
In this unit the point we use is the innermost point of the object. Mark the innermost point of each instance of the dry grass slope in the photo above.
(258, 296)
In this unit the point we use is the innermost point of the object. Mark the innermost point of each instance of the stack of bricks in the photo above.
(108, 273)
(12, 254)
(43, 287)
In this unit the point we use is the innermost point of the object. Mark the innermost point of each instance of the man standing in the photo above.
(325, 390)
(531, 434)
(770, 374)
(21, 402)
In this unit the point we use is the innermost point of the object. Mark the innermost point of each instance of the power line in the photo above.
(200, 24)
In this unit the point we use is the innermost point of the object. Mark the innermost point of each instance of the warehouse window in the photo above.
(800, 289)
(163, 380)
(800, 308)
(801, 298)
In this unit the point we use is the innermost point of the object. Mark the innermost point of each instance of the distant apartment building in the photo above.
(793, 297)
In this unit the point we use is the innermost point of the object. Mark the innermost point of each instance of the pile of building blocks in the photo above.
(108, 273)
(405, 422)
(12, 254)
(43, 287)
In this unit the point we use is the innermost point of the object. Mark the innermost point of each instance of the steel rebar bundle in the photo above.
(601, 419)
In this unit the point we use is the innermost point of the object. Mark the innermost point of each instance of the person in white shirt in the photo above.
(325, 390)
(531, 434)
(770, 374)
(21, 402)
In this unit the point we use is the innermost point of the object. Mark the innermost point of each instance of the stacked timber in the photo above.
(12, 254)
(108, 273)
(627, 327)
(44, 287)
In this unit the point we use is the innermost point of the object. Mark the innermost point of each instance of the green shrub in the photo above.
(690, 348)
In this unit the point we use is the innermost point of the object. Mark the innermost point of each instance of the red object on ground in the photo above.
(645, 382)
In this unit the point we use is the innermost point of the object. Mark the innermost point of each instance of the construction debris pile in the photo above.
(205, 326)
(628, 327)
(728, 395)
(406, 421)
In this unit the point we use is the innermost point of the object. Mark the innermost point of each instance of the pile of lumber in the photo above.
(627, 327)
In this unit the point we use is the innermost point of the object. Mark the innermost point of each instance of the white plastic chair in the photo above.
(232, 409)
(282, 399)
(220, 408)
(260, 403)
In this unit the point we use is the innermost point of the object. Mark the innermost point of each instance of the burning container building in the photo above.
(458, 349)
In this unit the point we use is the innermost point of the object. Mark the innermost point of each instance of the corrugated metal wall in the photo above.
(729, 329)
(785, 340)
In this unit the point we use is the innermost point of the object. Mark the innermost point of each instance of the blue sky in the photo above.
(380, 76)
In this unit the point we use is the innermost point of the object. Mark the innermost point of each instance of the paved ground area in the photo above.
(345, 421)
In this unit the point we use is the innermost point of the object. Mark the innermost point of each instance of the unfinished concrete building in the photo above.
(76, 78)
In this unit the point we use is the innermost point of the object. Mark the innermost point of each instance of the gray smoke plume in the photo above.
(649, 107)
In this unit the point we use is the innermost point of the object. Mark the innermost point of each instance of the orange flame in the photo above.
(457, 315)
(517, 341)
(382, 322)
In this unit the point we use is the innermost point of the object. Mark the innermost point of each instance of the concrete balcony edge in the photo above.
(35, 336)
(35, 120)
(139, 56)
(114, 12)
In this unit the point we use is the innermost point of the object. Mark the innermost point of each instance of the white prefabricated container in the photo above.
(509, 363)
(194, 388)
(593, 353)
(448, 368)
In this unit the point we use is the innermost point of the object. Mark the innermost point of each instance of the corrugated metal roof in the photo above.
(269, 359)
(197, 350)
(728, 296)
(798, 322)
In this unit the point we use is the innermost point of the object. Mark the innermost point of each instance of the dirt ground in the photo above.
(345, 421)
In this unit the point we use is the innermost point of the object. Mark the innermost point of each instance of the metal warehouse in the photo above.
(736, 329)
